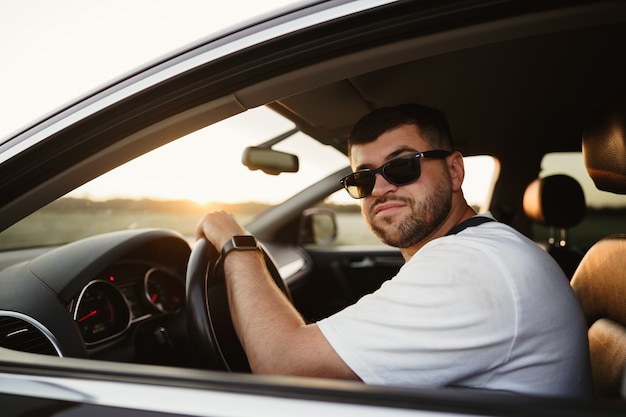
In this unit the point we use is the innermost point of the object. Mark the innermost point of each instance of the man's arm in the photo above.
(273, 334)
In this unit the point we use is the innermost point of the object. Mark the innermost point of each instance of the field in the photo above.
(54, 228)
(69, 220)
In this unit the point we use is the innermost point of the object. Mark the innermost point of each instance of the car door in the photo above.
(344, 274)
(346, 260)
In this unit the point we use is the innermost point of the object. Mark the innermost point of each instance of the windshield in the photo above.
(173, 186)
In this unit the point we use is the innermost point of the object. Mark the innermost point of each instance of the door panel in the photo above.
(342, 275)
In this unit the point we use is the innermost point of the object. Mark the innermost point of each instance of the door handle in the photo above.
(370, 262)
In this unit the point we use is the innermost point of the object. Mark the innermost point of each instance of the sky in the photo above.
(55, 51)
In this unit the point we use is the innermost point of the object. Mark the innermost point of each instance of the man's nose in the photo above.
(382, 186)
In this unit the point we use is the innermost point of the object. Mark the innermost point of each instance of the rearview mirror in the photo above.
(269, 160)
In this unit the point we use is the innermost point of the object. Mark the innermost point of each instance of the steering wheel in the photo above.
(209, 321)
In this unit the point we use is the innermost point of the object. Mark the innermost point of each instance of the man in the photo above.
(476, 304)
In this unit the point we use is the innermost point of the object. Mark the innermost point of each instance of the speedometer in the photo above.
(164, 291)
(101, 312)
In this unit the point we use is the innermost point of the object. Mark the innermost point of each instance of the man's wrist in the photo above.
(240, 243)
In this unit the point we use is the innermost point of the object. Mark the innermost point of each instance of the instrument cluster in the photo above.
(124, 294)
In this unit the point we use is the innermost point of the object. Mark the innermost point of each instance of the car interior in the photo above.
(515, 87)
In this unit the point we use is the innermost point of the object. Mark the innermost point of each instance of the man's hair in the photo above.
(431, 123)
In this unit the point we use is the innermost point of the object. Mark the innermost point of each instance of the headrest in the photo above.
(557, 200)
(598, 282)
(604, 148)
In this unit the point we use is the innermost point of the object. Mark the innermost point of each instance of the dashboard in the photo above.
(118, 296)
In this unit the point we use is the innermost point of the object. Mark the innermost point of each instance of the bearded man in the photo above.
(476, 304)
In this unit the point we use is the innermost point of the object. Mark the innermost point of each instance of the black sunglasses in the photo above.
(399, 171)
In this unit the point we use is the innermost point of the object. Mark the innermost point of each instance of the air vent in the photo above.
(22, 333)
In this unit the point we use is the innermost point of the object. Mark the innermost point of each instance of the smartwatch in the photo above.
(240, 242)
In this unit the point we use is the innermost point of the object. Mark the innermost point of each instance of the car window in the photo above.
(606, 212)
(173, 186)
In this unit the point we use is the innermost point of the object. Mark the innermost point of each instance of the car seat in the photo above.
(600, 280)
(557, 201)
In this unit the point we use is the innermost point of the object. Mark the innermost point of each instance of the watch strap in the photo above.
(240, 242)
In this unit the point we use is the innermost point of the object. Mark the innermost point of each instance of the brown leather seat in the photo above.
(600, 280)
(557, 201)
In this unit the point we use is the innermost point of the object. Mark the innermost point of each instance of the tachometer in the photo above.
(101, 312)
(164, 291)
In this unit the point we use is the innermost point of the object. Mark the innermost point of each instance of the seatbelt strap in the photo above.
(472, 221)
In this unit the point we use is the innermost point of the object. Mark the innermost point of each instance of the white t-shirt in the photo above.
(485, 308)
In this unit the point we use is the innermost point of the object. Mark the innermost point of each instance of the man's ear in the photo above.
(457, 170)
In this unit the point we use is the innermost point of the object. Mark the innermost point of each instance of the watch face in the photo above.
(244, 241)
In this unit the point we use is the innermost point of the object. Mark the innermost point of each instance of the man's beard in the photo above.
(421, 222)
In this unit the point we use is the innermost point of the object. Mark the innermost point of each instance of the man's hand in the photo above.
(218, 227)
